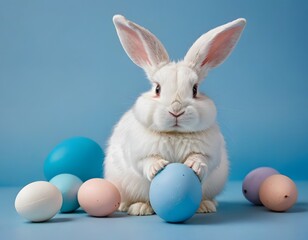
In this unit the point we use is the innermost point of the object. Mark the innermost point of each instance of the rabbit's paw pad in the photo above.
(207, 206)
(123, 207)
(156, 167)
(140, 209)
(198, 167)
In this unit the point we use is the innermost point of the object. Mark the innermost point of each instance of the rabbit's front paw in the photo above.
(156, 167)
(123, 207)
(140, 209)
(197, 166)
(207, 206)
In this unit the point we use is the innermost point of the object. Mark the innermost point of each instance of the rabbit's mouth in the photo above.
(176, 116)
(176, 125)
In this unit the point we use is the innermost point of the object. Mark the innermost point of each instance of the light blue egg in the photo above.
(68, 185)
(79, 156)
(175, 193)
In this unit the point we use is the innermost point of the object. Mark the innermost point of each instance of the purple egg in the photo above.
(253, 181)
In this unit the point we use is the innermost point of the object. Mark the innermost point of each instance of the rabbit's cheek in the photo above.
(191, 115)
(162, 120)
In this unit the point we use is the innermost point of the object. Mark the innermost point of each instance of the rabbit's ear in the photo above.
(143, 48)
(213, 47)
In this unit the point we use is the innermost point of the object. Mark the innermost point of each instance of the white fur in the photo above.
(171, 127)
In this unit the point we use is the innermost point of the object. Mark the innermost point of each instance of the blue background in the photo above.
(63, 73)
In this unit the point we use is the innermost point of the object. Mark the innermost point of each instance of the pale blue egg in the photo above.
(68, 185)
(175, 193)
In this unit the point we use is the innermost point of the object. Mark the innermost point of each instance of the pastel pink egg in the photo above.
(99, 197)
(278, 193)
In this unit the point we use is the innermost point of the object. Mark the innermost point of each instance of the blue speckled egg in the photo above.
(175, 193)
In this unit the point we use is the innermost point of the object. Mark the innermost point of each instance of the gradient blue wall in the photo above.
(63, 73)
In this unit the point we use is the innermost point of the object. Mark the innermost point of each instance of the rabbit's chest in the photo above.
(177, 148)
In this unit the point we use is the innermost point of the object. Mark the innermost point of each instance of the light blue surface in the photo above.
(63, 73)
(236, 219)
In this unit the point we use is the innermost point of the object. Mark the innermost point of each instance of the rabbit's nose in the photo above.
(176, 106)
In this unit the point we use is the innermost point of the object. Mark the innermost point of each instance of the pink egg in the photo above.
(278, 193)
(99, 197)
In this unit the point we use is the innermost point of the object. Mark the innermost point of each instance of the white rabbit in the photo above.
(173, 122)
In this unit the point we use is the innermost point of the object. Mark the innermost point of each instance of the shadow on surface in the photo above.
(54, 220)
(78, 211)
(82, 212)
(298, 208)
(60, 220)
(113, 215)
(118, 215)
(234, 212)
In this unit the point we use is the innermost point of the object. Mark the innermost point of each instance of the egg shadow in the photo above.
(232, 212)
(226, 212)
(299, 207)
(111, 216)
(118, 215)
(78, 211)
(60, 220)
(53, 220)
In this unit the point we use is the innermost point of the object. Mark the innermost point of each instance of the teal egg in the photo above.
(68, 185)
(78, 156)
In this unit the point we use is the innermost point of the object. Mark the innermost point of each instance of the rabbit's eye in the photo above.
(157, 90)
(195, 90)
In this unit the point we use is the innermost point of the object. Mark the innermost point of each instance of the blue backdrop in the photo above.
(63, 73)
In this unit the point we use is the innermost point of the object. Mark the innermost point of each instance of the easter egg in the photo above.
(253, 181)
(99, 197)
(38, 201)
(175, 193)
(278, 193)
(68, 185)
(78, 156)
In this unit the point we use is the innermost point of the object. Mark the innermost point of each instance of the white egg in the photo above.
(38, 201)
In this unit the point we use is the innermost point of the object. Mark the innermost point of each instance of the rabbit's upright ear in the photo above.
(213, 47)
(143, 48)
